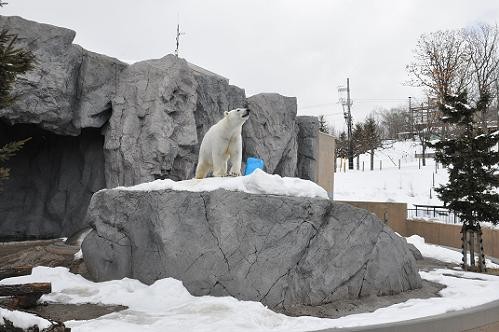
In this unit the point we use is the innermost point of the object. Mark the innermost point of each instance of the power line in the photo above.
(360, 100)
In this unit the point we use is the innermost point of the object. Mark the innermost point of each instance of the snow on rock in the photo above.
(257, 182)
(23, 320)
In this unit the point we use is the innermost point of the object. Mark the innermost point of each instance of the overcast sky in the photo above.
(302, 48)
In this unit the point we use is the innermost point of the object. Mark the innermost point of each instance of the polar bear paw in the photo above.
(234, 173)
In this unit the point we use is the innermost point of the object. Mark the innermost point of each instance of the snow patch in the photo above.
(257, 182)
(23, 320)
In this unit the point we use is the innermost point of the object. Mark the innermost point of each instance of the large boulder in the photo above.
(70, 88)
(152, 130)
(271, 132)
(278, 250)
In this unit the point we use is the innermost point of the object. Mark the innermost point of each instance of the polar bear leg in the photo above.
(202, 170)
(236, 156)
(219, 164)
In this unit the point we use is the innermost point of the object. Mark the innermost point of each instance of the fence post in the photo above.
(362, 166)
(433, 180)
(380, 164)
(399, 163)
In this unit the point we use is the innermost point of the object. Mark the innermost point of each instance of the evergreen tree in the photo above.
(473, 172)
(472, 163)
(372, 136)
(13, 61)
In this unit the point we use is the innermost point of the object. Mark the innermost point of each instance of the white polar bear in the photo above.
(223, 142)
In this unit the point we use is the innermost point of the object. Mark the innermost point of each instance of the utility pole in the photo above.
(347, 114)
(349, 124)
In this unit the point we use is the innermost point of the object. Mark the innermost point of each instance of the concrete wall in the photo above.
(326, 147)
(395, 215)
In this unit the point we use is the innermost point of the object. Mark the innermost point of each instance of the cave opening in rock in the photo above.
(51, 182)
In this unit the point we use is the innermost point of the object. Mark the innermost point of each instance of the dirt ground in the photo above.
(57, 253)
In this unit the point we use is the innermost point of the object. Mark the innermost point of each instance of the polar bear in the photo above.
(223, 142)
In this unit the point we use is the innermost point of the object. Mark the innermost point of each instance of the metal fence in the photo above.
(433, 212)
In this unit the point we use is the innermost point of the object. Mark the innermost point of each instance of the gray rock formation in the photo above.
(153, 114)
(270, 132)
(152, 131)
(277, 250)
(214, 96)
(307, 147)
(69, 89)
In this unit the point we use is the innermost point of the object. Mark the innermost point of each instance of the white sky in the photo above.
(297, 48)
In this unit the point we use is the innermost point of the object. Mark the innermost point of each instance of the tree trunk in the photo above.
(25, 289)
(372, 159)
(423, 155)
(15, 271)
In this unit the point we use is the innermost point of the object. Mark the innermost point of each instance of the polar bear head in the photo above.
(237, 116)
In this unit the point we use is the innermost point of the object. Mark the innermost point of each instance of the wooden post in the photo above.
(399, 163)
(362, 166)
(380, 165)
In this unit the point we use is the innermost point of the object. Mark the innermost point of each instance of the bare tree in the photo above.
(483, 56)
(440, 64)
(393, 122)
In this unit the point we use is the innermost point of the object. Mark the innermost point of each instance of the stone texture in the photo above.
(52, 180)
(69, 88)
(278, 250)
(415, 252)
(153, 114)
(307, 147)
(152, 125)
(271, 132)
(214, 96)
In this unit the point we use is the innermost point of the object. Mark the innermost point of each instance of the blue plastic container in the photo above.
(252, 164)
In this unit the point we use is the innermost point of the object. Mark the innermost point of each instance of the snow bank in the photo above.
(441, 253)
(167, 306)
(23, 320)
(257, 182)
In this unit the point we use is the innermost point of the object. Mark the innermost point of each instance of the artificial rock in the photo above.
(278, 250)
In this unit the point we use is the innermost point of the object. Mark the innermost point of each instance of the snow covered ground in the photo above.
(409, 184)
(167, 306)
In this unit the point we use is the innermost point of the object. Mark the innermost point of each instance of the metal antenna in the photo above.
(178, 36)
